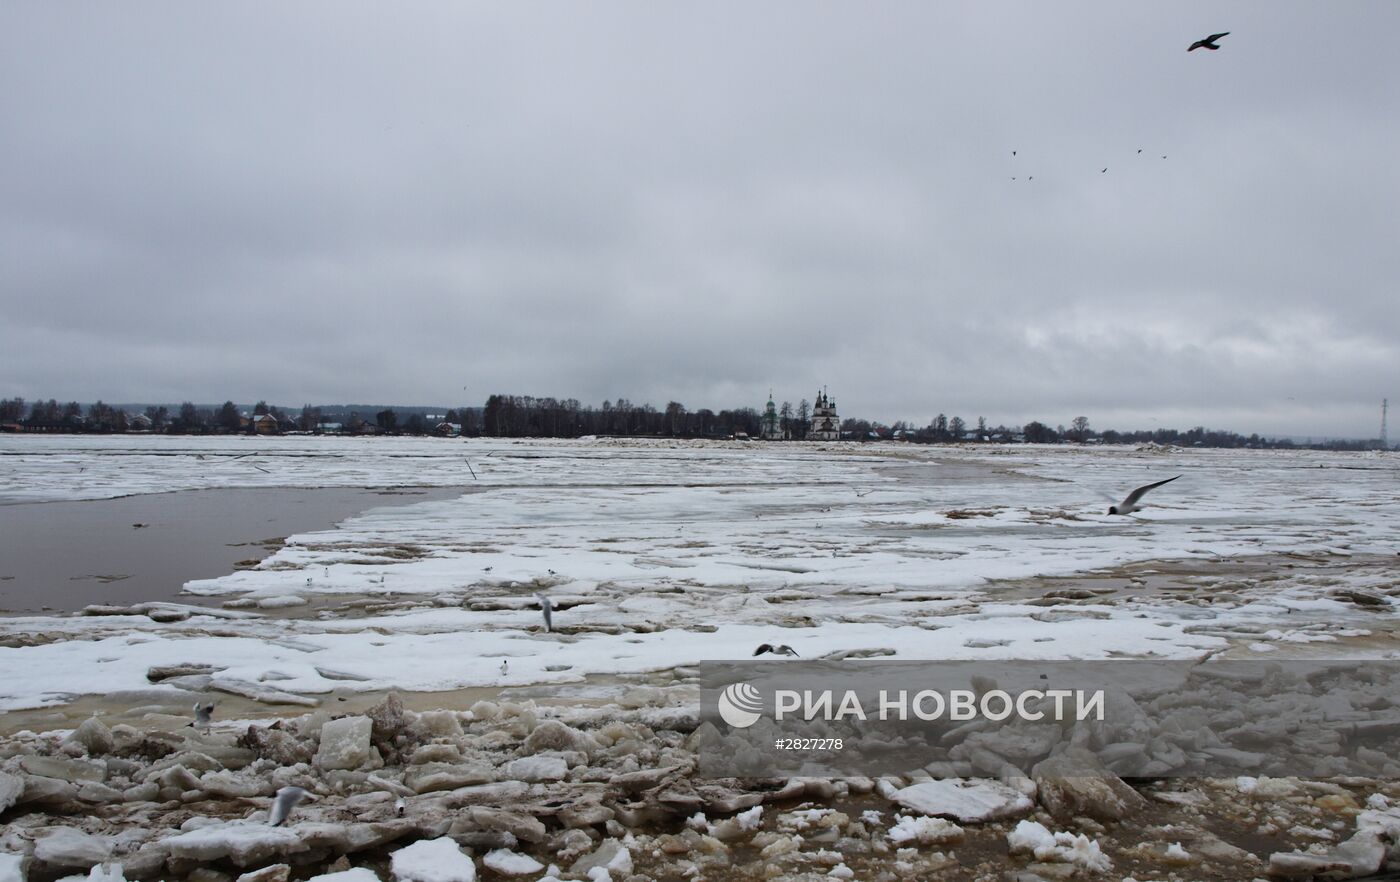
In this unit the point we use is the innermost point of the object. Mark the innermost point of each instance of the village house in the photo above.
(264, 424)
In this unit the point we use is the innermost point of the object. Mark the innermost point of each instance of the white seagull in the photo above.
(548, 609)
(282, 805)
(1130, 502)
(203, 715)
(780, 649)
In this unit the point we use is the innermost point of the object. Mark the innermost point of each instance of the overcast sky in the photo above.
(696, 202)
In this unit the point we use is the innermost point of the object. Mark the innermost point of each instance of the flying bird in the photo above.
(781, 649)
(548, 609)
(203, 715)
(1130, 503)
(1208, 42)
(282, 805)
(1103, 171)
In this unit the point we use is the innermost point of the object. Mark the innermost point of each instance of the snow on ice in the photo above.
(659, 554)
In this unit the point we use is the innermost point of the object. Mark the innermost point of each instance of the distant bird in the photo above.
(1103, 170)
(780, 649)
(139, 526)
(552, 573)
(1208, 42)
(203, 715)
(399, 806)
(1013, 152)
(1031, 178)
(1139, 149)
(487, 569)
(286, 800)
(1130, 503)
(548, 609)
(505, 667)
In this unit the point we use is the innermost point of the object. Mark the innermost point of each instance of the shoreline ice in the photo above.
(658, 554)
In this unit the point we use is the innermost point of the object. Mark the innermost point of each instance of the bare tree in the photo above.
(1081, 431)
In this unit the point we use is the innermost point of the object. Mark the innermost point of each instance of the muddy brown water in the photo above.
(62, 556)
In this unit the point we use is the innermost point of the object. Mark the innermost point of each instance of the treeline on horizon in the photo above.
(524, 416)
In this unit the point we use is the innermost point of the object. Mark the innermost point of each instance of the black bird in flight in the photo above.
(1208, 42)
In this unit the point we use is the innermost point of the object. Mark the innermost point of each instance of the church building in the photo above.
(770, 427)
(826, 425)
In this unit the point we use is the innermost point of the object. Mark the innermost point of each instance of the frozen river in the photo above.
(658, 554)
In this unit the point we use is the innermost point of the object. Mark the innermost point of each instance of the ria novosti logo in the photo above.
(740, 705)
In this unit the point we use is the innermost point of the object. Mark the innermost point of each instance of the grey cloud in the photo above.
(664, 201)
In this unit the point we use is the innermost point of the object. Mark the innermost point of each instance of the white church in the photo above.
(826, 425)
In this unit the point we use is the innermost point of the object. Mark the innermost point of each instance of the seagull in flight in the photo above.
(781, 649)
(203, 715)
(548, 609)
(282, 806)
(1208, 42)
(1130, 503)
